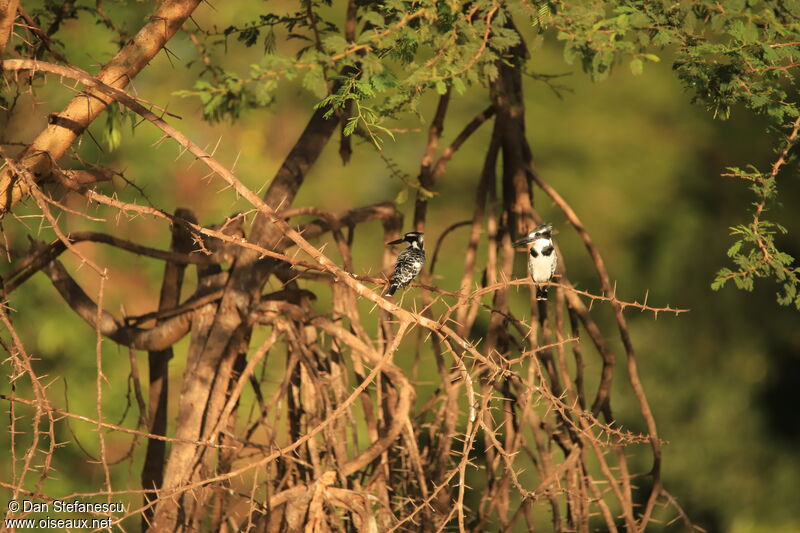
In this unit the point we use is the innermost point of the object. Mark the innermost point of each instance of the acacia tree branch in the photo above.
(465, 315)
(43, 255)
(65, 413)
(441, 238)
(341, 409)
(71, 122)
(8, 12)
(331, 221)
(633, 373)
(399, 381)
(284, 186)
(43, 36)
(426, 177)
(181, 243)
(159, 337)
(471, 127)
(228, 328)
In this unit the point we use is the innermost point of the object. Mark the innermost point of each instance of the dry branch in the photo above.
(53, 142)
(8, 12)
(158, 337)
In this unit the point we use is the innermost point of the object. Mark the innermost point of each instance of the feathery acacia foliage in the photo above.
(732, 54)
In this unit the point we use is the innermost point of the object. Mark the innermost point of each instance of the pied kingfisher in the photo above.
(542, 257)
(409, 262)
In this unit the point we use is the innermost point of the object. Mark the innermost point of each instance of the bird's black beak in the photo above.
(398, 241)
(522, 242)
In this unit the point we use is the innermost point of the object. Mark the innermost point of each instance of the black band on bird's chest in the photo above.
(534, 253)
(546, 251)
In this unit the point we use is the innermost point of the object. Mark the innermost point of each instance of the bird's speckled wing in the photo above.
(409, 265)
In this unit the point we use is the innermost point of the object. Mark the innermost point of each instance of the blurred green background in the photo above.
(636, 160)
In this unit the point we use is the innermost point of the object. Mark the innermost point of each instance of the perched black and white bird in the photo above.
(542, 257)
(409, 262)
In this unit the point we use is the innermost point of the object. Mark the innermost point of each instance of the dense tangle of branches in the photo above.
(346, 441)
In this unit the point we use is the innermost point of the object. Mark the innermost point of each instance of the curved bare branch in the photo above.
(159, 337)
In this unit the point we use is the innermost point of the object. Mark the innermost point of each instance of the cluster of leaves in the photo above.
(760, 258)
(740, 53)
(354, 91)
(227, 96)
(401, 50)
(755, 252)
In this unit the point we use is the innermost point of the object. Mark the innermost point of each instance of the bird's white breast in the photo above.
(542, 266)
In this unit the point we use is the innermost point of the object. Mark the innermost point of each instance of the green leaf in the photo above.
(315, 82)
(733, 250)
(350, 127)
(637, 66)
(374, 18)
(401, 197)
(335, 43)
(458, 85)
(721, 279)
(750, 32)
(113, 129)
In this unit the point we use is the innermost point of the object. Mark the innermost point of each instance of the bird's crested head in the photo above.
(414, 238)
(545, 231)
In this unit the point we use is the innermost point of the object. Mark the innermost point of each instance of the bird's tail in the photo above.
(392, 290)
(541, 292)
